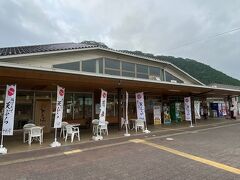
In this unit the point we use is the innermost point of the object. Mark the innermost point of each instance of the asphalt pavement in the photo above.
(207, 152)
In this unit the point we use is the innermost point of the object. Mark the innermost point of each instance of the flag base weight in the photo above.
(191, 126)
(55, 144)
(127, 134)
(97, 138)
(146, 131)
(3, 150)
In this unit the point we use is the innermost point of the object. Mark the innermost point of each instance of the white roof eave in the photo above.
(28, 67)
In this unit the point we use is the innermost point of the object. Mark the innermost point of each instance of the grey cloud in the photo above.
(148, 25)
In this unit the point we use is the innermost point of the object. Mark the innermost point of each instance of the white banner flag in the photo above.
(234, 103)
(9, 110)
(103, 107)
(126, 108)
(224, 110)
(140, 106)
(197, 109)
(59, 107)
(187, 105)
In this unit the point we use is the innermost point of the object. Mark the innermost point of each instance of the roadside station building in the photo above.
(83, 70)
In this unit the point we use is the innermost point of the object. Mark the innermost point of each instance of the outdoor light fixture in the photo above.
(174, 90)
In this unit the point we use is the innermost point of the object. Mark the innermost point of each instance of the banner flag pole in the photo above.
(188, 110)
(58, 114)
(102, 115)
(141, 110)
(3, 150)
(8, 116)
(126, 119)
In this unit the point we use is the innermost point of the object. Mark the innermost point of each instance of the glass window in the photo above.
(144, 76)
(142, 69)
(170, 77)
(112, 64)
(82, 106)
(70, 66)
(89, 65)
(112, 72)
(24, 109)
(154, 71)
(78, 107)
(128, 74)
(128, 66)
(162, 74)
(100, 61)
(111, 102)
(68, 107)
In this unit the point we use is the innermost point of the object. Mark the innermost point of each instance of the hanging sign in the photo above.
(187, 105)
(59, 107)
(197, 109)
(140, 106)
(9, 110)
(103, 107)
(126, 108)
(157, 114)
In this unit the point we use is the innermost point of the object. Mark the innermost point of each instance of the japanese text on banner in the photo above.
(140, 106)
(59, 107)
(9, 110)
(103, 107)
(187, 105)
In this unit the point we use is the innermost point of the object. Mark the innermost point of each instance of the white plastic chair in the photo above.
(35, 134)
(70, 130)
(63, 129)
(139, 124)
(103, 128)
(123, 122)
(26, 131)
(95, 126)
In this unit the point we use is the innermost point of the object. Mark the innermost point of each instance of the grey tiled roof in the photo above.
(8, 51)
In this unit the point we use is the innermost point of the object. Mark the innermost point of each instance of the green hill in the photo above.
(200, 71)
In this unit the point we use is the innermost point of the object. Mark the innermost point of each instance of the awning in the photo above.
(45, 79)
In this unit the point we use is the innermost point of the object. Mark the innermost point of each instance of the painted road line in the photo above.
(189, 156)
(106, 146)
(72, 151)
(30, 159)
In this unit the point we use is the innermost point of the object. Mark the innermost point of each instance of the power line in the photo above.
(202, 40)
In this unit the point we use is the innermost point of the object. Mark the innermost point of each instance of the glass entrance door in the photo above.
(78, 108)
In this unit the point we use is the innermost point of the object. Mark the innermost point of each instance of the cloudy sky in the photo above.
(186, 28)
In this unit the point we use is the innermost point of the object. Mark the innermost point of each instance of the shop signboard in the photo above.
(9, 110)
(59, 107)
(140, 106)
(187, 105)
(103, 107)
(157, 114)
